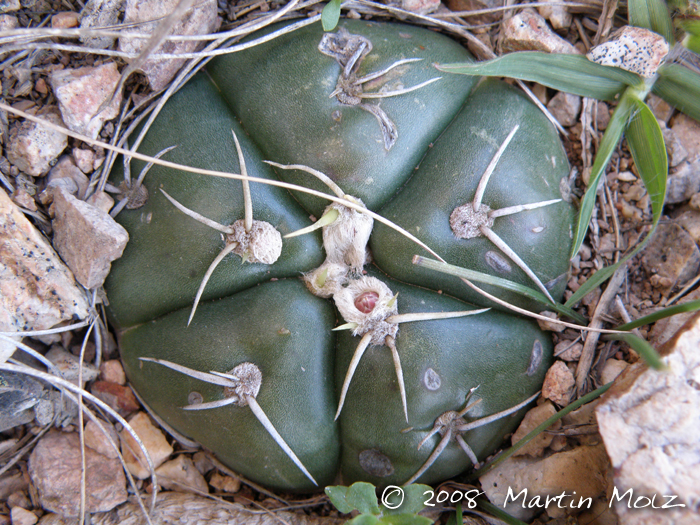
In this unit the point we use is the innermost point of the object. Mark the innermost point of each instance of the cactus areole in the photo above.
(406, 385)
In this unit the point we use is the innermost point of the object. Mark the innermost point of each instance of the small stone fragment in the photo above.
(8, 6)
(32, 146)
(672, 255)
(565, 107)
(19, 499)
(528, 31)
(583, 471)
(612, 369)
(558, 384)
(113, 372)
(22, 516)
(660, 108)
(674, 147)
(422, 7)
(80, 93)
(69, 365)
(101, 200)
(153, 439)
(535, 417)
(568, 350)
(24, 199)
(181, 475)
(550, 326)
(683, 182)
(37, 291)
(634, 49)
(65, 20)
(119, 397)
(11, 483)
(55, 470)
(688, 132)
(84, 159)
(650, 423)
(225, 483)
(65, 168)
(201, 19)
(557, 14)
(100, 13)
(87, 238)
(602, 115)
(202, 462)
(695, 202)
(8, 22)
(98, 441)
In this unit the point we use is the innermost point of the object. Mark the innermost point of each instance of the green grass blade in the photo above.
(499, 282)
(490, 465)
(642, 347)
(646, 143)
(690, 306)
(610, 140)
(330, 15)
(571, 73)
(680, 87)
(498, 512)
(651, 14)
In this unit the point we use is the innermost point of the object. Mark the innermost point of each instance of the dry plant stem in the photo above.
(605, 21)
(293, 187)
(586, 359)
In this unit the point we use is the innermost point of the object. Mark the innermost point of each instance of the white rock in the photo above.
(153, 439)
(558, 384)
(69, 366)
(8, 22)
(528, 31)
(100, 13)
(32, 146)
(200, 20)
(612, 369)
(565, 107)
(87, 238)
(683, 182)
(55, 469)
(650, 423)
(80, 93)
(7, 6)
(66, 168)
(101, 200)
(581, 471)
(550, 325)
(422, 7)
(558, 15)
(37, 291)
(84, 159)
(568, 350)
(634, 49)
(180, 474)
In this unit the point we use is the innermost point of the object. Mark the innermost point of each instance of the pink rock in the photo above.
(153, 439)
(55, 468)
(65, 20)
(119, 397)
(558, 384)
(528, 31)
(113, 372)
(80, 93)
(32, 146)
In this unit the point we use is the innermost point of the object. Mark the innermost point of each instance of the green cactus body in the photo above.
(263, 314)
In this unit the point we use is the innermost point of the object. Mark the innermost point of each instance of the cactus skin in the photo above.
(245, 316)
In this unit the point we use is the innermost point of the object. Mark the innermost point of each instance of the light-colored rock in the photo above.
(22, 516)
(225, 483)
(84, 159)
(37, 291)
(8, 22)
(22, 197)
(69, 365)
(565, 107)
(690, 221)
(101, 200)
(113, 372)
(683, 182)
(634, 49)
(202, 462)
(528, 31)
(65, 20)
(535, 417)
(650, 423)
(19, 499)
(119, 397)
(32, 146)
(612, 369)
(200, 20)
(581, 471)
(558, 384)
(568, 350)
(180, 474)
(558, 15)
(660, 108)
(65, 168)
(80, 93)
(422, 7)
(100, 13)
(98, 441)
(8, 6)
(153, 439)
(550, 326)
(671, 257)
(688, 132)
(601, 115)
(11, 483)
(87, 238)
(674, 147)
(55, 470)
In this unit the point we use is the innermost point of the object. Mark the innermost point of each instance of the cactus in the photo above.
(317, 361)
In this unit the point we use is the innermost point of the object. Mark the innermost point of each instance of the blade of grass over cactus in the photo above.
(330, 15)
(642, 347)
(571, 73)
(680, 87)
(484, 278)
(498, 512)
(690, 306)
(651, 14)
(608, 144)
(490, 465)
